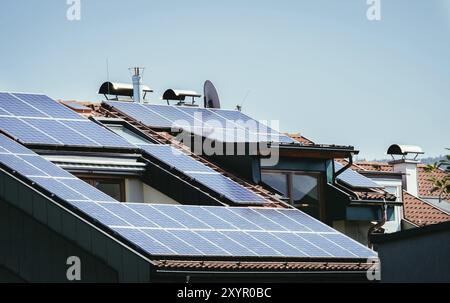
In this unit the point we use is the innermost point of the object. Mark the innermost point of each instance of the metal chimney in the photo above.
(137, 73)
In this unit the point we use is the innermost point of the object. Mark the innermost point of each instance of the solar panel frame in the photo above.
(354, 179)
(167, 229)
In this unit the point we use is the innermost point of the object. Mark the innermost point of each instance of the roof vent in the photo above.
(114, 90)
(180, 96)
(407, 152)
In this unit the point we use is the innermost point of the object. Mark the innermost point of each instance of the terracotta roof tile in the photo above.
(247, 265)
(421, 212)
(375, 166)
(425, 186)
(301, 139)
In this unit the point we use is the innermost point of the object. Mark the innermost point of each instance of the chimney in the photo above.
(404, 160)
(137, 73)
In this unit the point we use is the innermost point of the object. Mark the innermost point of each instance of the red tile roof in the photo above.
(281, 266)
(375, 166)
(424, 183)
(301, 139)
(421, 212)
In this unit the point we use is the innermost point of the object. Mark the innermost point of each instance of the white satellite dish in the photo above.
(211, 96)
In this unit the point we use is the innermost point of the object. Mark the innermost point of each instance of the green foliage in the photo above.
(440, 185)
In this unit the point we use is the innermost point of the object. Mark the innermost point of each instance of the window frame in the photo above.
(289, 174)
(91, 179)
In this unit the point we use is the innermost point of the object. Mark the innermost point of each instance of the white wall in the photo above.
(139, 192)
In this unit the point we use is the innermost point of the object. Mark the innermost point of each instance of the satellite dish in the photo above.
(211, 95)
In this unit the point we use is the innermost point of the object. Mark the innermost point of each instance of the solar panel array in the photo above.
(202, 174)
(354, 179)
(37, 119)
(215, 124)
(46, 174)
(224, 231)
(189, 230)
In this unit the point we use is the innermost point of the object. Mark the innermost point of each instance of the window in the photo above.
(113, 187)
(303, 189)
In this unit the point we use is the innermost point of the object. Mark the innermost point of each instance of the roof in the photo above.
(425, 185)
(422, 213)
(409, 233)
(298, 137)
(259, 266)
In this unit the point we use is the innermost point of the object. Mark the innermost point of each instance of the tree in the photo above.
(442, 184)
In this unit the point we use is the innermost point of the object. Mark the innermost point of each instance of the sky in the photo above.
(320, 67)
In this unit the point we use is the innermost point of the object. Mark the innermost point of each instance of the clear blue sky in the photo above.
(319, 66)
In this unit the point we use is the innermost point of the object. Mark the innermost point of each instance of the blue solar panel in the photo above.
(88, 191)
(258, 247)
(14, 147)
(24, 132)
(98, 134)
(181, 217)
(16, 107)
(281, 246)
(228, 126)
(144, 241)
(100, 213)
(37, 119)
(61, 133)
(207, 247)
(207, 217)
(129, 215)
(354, 179)
(19, 165)
(175, 158)
(46, 174)
(181, 246)
(232, 247)
(176, 117)
(141, 113)
(257, 218)
(155, 216)
(306, 247)
(334, 249)
(49, 106)
(57, 188)
(232, 218)
(46, 166)
(190, 230)
(228, 188)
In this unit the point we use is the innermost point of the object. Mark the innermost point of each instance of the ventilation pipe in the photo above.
(137, 73)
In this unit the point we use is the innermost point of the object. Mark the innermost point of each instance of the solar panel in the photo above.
(219, 125)
(175, 158)
(16, 107)
(190, 230)
(25, 132)
(47, 105)
(37, 119)
(354, 179)
(203, 174)
(141, 113)
(228, 188)
(170, 233)
(46, 174)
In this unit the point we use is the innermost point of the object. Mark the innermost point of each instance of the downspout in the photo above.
(377, 226)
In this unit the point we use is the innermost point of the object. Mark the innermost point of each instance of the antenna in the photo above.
(107, 73)
(239, 106)
(211, 96)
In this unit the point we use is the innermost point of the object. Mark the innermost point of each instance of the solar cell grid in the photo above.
(49, 106)
(24, 132)
(354, 179)
(14, 106)
(191, 230)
